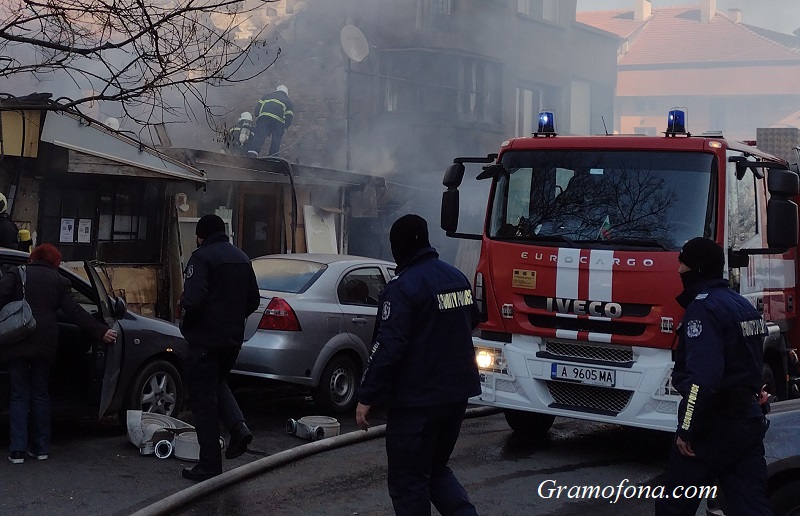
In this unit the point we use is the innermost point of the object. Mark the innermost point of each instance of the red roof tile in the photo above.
(675, 35)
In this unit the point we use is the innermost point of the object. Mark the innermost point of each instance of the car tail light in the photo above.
(279, 316)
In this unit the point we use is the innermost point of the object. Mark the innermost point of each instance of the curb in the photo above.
(235, 475)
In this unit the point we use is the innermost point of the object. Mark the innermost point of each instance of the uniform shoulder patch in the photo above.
(701, 296)
(694, 328)
(189, 271)
(386, 311)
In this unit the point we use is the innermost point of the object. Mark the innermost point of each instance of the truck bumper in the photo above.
(523, 379)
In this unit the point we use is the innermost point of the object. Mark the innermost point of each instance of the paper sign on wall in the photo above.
(67, 233)
(84, 231)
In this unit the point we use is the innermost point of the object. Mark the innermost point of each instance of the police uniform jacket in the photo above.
(219, 293)
(422, 353)
(8, 232)
(275, 106)
(719, 358)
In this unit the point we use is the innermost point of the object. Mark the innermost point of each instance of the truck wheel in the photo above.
(783, 501)
(768, 379)
(157, 388)
(336, 392)
(529, 422)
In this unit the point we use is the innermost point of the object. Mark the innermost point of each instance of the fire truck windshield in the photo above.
(620, 198)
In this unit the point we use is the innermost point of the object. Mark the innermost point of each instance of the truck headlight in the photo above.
(491, 359)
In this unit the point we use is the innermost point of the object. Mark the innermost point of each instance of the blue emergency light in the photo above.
(676, 122)
(547, 122)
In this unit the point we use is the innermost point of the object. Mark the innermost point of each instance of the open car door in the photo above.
(111, 353)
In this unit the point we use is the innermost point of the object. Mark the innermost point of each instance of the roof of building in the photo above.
(673, 35)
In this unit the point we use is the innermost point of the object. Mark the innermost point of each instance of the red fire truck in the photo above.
(577, 275)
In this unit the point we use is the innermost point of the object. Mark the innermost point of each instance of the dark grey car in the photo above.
(314, 324)
(143, 370)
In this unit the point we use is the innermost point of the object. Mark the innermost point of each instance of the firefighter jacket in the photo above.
(219, 293)
(719, 358)
(277, 106)
(422, 352)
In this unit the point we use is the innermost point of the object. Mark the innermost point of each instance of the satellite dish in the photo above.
(354, 43)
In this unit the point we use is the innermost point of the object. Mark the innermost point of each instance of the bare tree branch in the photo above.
(138, 53)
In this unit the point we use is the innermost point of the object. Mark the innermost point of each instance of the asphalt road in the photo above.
(500, 470)
(93, 469)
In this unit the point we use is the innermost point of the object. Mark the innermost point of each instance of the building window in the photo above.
(466, 88)
(546, 10)
(113, 221)
(434, 14)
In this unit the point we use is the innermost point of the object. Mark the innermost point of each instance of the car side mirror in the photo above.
(119, 308)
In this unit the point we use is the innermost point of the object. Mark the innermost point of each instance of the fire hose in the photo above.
(182, 498)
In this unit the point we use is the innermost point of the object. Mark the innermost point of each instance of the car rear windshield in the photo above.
(286, 275)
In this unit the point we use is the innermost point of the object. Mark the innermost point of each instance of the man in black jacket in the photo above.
(219, 293)
(423, 369)
(274, 114)
(8, 230)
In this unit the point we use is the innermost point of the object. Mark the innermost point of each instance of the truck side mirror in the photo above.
(450, 207)
(454, 175)
(782, 223)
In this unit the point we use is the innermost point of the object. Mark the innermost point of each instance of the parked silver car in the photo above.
(314, 325)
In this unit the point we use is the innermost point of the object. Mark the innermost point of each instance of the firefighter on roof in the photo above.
(718, 367)
(273, 116)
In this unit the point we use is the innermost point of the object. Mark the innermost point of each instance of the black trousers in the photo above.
(419, 442)
(210, 399)
(267, 126)
(731, 453)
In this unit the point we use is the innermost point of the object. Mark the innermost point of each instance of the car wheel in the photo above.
(337, 387)
(531, 423)
(157, 388)
(784, 500)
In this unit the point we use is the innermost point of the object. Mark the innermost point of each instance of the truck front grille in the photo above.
(589, 398)
(612, 354)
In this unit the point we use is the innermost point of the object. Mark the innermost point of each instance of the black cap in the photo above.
(704, 256)
(409, 233)
(208, 225)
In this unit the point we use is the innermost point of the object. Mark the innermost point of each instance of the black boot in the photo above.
(198, 473)
(240, 438)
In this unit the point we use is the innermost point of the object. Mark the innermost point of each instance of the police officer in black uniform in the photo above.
(219, 292)
(422, 368)
(717, 370)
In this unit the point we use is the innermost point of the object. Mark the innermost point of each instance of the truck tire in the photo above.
(531, 423)
(784, 501)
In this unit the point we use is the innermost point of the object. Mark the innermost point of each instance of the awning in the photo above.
(85, 136)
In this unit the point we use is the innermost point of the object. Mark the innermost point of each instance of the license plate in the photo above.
(587, 375)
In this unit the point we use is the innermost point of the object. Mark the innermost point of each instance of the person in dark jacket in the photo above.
(219, 293)
(718, 367)
(274, 114)
(8, 230)
(30, 360)
(422, 368)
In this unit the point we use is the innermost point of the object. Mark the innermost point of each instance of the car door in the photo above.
(108, 356)
(358, 292)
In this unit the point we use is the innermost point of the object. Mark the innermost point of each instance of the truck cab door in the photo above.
(108, 356)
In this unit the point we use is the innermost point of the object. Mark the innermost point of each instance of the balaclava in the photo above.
(705, 258)
(208, 225)
(409, 234)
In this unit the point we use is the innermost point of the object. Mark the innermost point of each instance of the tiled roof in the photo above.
(676, 35)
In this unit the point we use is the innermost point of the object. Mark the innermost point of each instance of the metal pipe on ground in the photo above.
(233, 476)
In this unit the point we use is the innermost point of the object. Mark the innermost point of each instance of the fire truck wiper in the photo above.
(550, 238)
(644, 242)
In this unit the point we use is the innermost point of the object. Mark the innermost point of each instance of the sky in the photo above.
(778, 15)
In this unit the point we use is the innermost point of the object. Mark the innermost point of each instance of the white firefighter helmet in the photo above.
(246, 116)
(3, 203)
(283, 89)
